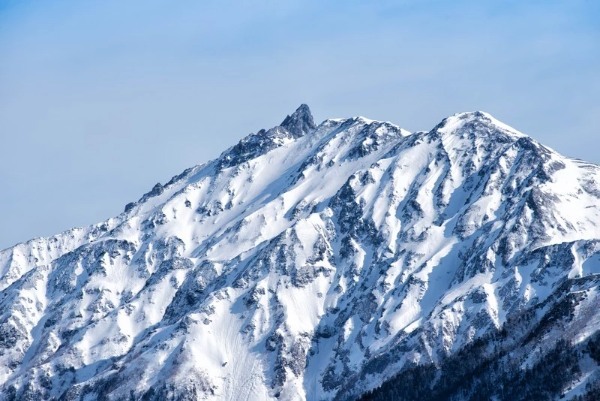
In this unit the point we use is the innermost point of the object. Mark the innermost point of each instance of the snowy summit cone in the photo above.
(478, 122)
(300, 122)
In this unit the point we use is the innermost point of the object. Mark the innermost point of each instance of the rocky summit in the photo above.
(341, 261)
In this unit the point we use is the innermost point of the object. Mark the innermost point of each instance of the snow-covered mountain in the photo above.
(323, 262)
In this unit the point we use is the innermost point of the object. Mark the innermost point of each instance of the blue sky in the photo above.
(99, 100)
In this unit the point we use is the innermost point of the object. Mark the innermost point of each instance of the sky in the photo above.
(99, 100)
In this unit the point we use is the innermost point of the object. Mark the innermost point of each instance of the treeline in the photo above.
(474, 376)
(495, 368)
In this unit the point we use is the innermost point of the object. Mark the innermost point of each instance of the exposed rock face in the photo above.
(300, 122)
(319, 262)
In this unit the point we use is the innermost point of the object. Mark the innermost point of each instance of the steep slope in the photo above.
(313, 262)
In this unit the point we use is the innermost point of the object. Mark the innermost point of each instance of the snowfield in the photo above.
(313, 263)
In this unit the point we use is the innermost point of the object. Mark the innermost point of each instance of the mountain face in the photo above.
(347, 260)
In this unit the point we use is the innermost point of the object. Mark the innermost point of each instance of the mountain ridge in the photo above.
(309, 262)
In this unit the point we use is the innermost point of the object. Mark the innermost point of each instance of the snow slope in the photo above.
(307, 263)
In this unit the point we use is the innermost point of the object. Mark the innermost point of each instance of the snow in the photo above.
(237, 275)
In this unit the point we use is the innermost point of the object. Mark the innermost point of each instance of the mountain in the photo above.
(349, 260)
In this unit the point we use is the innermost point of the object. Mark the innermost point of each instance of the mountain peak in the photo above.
(458, 121)
(321, 267)
(300, 121)
(294, 126)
